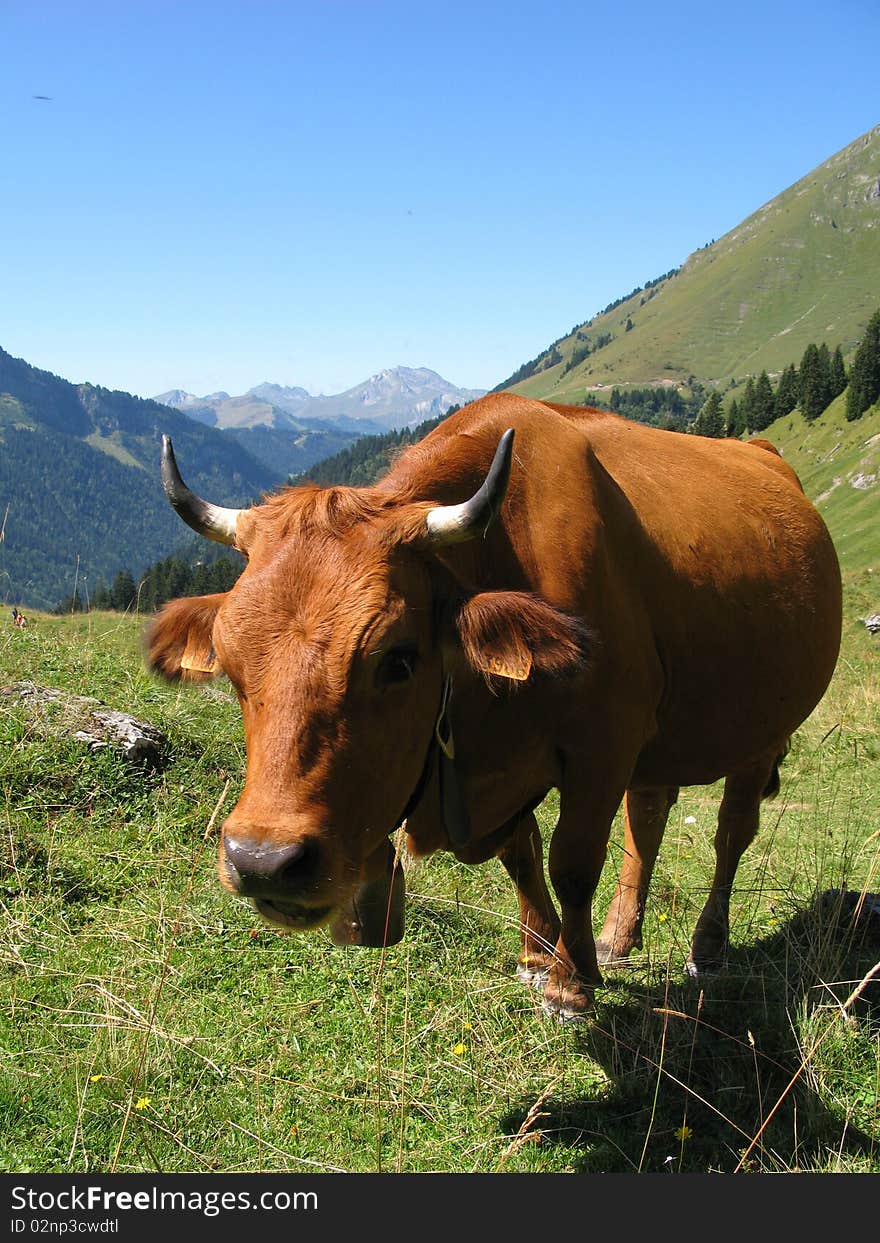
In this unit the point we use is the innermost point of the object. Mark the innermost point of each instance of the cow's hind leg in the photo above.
(523, 859)
(737, 825)
(646, 813)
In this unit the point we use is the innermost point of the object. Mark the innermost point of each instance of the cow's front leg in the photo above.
(577, 855)
(646, 813)
(523, 859)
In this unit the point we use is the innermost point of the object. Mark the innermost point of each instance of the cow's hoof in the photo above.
(561, 1013)
(706, 967)
(608, 956)
(569, 1001)
(534, 977)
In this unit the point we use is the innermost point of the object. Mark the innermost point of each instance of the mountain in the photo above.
(80, 490)
(803, 268)
(269, 429)
(396, 397)
(283, 398)
(289, 430)
(251, 409)
(200, 408)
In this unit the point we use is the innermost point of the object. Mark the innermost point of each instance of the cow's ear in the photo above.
(180, 640)
(513, 634)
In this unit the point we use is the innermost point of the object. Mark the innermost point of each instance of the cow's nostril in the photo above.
(262, 867)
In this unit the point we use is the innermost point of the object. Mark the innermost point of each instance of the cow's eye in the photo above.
(398, 665)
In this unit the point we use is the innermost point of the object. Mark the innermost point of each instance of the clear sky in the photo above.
(218, 194)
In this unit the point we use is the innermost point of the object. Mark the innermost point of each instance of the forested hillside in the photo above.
(368, 458)
(80, 489)
(289, 451)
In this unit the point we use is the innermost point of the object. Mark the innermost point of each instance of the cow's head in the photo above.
(338, 639)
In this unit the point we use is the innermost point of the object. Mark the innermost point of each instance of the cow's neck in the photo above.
(453, 808)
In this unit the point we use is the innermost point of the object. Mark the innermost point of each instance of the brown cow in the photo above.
(649, 610)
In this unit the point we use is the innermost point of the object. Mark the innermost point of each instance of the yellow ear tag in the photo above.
(199, 656)
(517, 668)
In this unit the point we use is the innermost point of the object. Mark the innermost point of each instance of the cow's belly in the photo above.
(717, 724)
(743, 668)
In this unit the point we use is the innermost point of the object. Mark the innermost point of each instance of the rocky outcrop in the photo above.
(57, 713)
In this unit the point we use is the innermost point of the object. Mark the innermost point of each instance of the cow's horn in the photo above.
(210, 520)
(454, 524)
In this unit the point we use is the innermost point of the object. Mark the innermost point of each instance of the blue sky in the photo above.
(218, 194)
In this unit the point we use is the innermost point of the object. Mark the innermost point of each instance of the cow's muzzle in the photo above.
(257, 870)
(276, 878)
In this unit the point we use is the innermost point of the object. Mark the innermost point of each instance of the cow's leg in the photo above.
(645, 812)
(523, 859)
(737, 825)
(577, 855)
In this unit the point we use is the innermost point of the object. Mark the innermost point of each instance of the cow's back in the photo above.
(709, 579)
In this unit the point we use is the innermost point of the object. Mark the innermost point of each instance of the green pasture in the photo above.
(150, 1022)
(839, 466)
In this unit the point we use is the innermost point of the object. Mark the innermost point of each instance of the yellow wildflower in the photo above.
(142, 1102)
(683, 1133)
(459, 1049)
(95, 1078)
(662, 917)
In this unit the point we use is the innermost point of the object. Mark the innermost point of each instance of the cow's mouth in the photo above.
(292, 914)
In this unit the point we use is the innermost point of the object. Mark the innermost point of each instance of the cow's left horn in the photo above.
(210, 520)
(454, 524)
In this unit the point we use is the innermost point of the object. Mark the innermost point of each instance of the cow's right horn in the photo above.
(454, 524)
(210, 520)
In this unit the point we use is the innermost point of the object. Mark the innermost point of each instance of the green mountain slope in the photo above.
(839, 466)
(80, 492)
(805, 267)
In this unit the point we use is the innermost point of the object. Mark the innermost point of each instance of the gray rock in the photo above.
(57, 713)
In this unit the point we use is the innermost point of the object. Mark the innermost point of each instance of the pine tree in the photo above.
(100, 596)
(787, 391)
(764, 404)
(814, 382)
(837, 374)
(736, 423)
(864, 376)
(747, 405)
(710, 420)
(122, 591)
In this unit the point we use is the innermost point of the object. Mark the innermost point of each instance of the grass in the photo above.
(832, 457)
(151, 1023)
